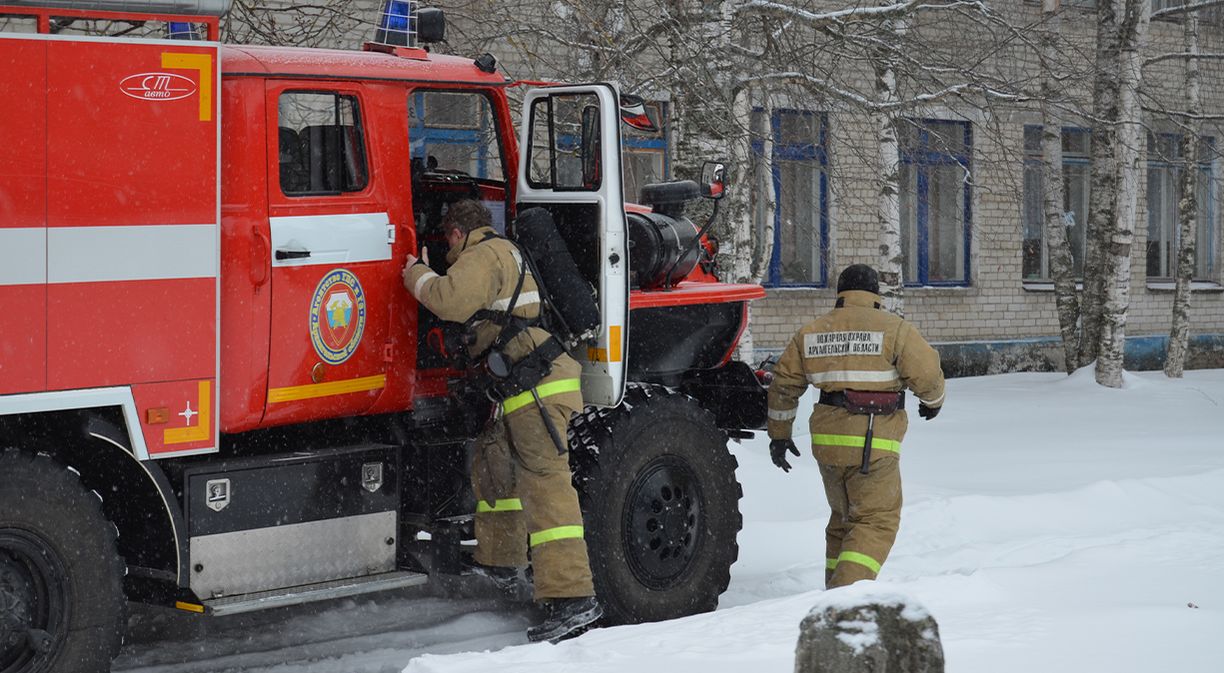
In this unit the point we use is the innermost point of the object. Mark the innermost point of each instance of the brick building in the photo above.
(976, 274)
(977, 278)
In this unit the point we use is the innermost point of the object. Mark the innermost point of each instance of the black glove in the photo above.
(928, 412)
(777, 451)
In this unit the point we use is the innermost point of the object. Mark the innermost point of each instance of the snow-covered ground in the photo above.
(1049, 525)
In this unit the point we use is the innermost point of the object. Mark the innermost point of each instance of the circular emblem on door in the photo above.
(337, 316)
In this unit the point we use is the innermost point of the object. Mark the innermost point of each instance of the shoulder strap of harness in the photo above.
(511, 325)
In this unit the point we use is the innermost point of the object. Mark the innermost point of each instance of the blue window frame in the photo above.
(935, 201)
(800, 181)
(936, 207)
(457, 130)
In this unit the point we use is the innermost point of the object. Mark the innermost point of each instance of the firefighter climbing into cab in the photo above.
(862, 359)
(520, 470)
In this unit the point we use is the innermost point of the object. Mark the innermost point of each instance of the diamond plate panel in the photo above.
(263, 559)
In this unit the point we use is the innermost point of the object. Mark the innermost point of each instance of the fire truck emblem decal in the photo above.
(337, 316)
(217, 494)
(372, 476)
(157, 86)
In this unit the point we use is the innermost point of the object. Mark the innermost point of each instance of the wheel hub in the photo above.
(32, 600)
(664, 510)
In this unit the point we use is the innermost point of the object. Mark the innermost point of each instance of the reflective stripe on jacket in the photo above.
(484, 271)
(857, 347)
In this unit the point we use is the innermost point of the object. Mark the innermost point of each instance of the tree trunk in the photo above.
(1062, 264)
(1130, 135)
(888, 199)
(736, 211)
(1179, 332)
(764, 250)
(1104, 188)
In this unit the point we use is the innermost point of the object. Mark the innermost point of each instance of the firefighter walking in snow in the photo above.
(862, 358)
(520, 472)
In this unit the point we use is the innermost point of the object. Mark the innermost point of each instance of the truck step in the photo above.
(307, 593)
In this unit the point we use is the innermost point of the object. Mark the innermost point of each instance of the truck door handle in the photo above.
(281, 253)
(259, 257)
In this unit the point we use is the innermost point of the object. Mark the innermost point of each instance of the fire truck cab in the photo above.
(216, 394)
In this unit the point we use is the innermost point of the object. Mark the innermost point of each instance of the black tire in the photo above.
(660, 505)
(60, 572)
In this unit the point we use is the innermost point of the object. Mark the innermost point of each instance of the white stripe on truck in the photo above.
(36, 255)
(118, 253)
(23, 256)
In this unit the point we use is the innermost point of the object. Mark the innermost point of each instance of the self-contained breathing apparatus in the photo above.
(570, 319)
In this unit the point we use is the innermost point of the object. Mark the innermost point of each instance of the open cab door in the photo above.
(571, 166)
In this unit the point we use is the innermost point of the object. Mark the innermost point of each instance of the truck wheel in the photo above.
(660, 505)
(61, 597)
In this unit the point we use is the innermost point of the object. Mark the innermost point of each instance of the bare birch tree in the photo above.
(888, 209)
(1102, 199)
(1116, 274)
(1062, 268)
(1179, 333)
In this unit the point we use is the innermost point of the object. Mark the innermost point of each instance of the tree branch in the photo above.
(1183, 9)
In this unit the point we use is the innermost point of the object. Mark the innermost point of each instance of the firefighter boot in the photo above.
(565, 617)
(513, 583)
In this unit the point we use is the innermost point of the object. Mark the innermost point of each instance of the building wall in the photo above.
(1013, 324)
(996, 321)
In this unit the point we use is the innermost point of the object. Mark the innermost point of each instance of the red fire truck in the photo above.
(215, 393)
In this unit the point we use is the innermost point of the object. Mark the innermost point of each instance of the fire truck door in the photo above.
(571, 165)
(330, 256)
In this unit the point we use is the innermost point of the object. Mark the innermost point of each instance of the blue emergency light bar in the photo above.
(397, 23)
(402, 24)
(182, 31)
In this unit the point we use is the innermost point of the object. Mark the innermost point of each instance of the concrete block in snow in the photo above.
(864, 628)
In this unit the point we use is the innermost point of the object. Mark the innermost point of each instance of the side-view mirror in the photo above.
(590, 146)
(713, 179)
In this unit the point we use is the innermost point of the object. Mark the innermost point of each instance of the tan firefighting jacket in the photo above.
(484, 271)
(857, 347)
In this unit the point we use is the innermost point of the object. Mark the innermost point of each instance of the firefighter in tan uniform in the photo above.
(520, 475)
(855, 347)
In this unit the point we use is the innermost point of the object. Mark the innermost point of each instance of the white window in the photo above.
(1077, 178)
(1164, 171)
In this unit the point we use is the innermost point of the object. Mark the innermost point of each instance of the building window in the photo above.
(801, 183)
(454, 132)
(1164, 171)
(644, 155)
(320, 145)
(935, 201)
(1077, 177)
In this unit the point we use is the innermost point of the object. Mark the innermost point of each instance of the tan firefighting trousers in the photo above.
(863, 523)
(525, 499)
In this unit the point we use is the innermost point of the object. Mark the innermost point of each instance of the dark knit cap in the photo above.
(859, 277)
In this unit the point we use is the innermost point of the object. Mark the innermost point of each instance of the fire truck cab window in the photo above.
(564, 143)
(320, 143)
(454, 133)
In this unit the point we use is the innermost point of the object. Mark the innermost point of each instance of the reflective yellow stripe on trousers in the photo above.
(504, 505)
(856, 441)
(861, 559)
(546, 390)
(558, 533)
